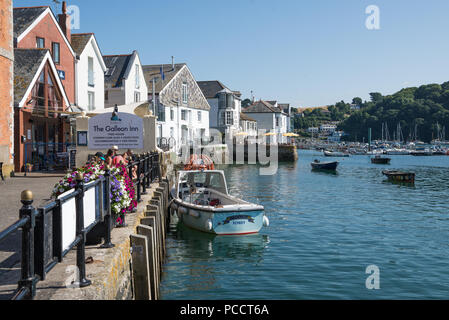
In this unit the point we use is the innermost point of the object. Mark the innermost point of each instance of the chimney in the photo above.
(64, 22)
(173, 63)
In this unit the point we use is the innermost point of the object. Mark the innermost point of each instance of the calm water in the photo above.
(324, 231)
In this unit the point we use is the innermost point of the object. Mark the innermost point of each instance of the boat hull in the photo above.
(324, 166)
(222, 222)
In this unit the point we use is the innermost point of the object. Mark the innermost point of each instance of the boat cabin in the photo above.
(201, 187)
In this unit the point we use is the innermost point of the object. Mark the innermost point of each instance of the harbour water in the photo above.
(325, 230)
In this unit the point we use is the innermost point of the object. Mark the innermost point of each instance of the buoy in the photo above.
(208, 225)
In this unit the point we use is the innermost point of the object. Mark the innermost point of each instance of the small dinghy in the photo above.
(399, 176)
(380, 160)
(317, 165)
(335, 154)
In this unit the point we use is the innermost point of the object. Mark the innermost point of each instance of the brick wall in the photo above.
(6, 86)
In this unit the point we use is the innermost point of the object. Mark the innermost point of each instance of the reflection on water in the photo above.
(324, 231)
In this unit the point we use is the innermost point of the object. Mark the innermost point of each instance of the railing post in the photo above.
(144, 171)
(107, 218)
(139, 171)
(28, 279)
(148, 170)
(80, 232)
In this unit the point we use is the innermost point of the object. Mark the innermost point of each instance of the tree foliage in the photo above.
(422, 107)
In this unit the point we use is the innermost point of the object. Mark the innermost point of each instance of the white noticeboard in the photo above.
(89, 206)
(68, 212)
(124, 131)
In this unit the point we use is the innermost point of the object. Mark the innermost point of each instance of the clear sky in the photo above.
(303, 52)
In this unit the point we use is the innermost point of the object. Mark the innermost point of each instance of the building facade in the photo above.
(182, 110)
(6, 87)
(89, 69)
(44, 85)
(270, 118)
(124, 80)
(225, 107)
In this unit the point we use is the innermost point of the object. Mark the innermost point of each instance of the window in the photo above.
(229, 118)
(56, 52)
(136, 96)
(199, 116)
(183, 114)
(172, 114)
(106, 95)
(172, 132)
(184, 92)
(90, 71)
(161, 112)
(137, 78)
(40, 43)
(277, 122)
(91, 103)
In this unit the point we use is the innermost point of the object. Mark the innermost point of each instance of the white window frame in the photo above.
(229, 118)
(184, 114)
(200, 116)
(185, 95)
(90, 100)
(137, 77)
(136, 96)
(90, 72)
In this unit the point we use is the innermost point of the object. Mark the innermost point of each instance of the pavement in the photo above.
(41, 184)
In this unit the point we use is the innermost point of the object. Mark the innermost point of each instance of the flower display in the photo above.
(121, 188)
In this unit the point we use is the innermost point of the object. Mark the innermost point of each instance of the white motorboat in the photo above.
(201, 201)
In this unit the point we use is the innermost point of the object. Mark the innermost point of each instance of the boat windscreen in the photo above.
(211, 180)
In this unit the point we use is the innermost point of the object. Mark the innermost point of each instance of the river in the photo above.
(325, 230)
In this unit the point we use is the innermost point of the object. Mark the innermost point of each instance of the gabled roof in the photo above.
(119, 67)
(211, 88)
(26, 18)
(262, 106)
(244, 117)
(80, 42)
(154, 70)
(28, 64)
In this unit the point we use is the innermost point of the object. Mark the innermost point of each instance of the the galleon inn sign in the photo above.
(123, 130)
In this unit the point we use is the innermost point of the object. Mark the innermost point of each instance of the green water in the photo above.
(325, 230)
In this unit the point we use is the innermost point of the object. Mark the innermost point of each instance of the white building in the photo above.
(225, 107)
(182, 110)
(248, 125)
(269, 117)
(328, 128)
(124, 80)
(89, 72)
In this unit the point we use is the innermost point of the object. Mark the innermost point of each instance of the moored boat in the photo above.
(380, 160)
(317, 165)
(399, 176)
(202, 202)
(335, 154)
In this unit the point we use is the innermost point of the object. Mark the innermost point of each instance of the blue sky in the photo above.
(303, 52)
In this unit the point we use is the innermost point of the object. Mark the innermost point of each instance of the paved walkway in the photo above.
(41, 184)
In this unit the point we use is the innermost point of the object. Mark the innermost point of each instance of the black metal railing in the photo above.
(46, 230)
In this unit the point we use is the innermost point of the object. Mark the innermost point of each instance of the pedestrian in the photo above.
(109, 157)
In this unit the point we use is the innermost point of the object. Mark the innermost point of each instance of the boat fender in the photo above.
(194, 213)
(266, 222)
(182, 210)
(208, 225)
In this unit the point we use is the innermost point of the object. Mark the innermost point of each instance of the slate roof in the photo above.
(244, 117)
(26, 64)
(151, 71)
(212, 87)
(24, 17)
(284, 107)
(117, 65)
(262, 106)
(80, 41)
